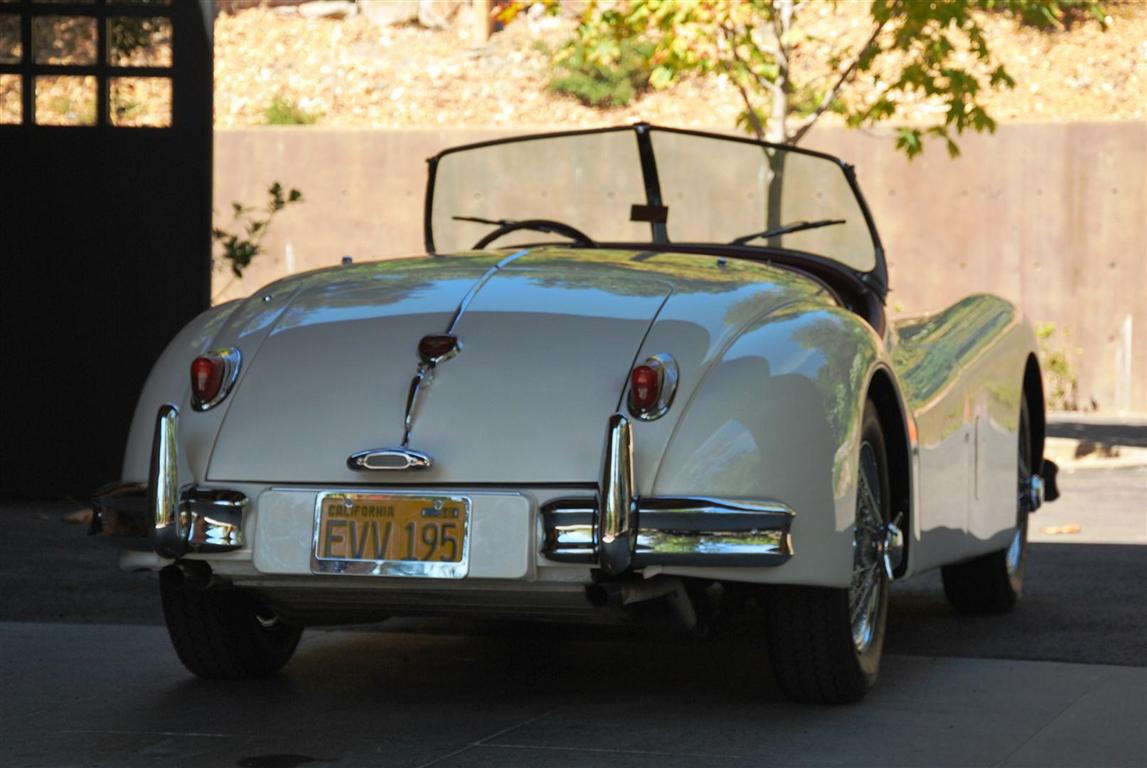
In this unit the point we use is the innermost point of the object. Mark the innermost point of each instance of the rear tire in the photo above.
(993, 583)
(825, 644)
(223, 634)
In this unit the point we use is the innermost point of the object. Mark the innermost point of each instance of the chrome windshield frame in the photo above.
(875, 279)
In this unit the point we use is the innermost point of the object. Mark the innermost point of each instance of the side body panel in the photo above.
(961, 371)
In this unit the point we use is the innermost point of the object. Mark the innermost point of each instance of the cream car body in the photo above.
(774, 364)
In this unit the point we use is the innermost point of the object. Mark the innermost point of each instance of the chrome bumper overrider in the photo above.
(174, 520)
(619, 531)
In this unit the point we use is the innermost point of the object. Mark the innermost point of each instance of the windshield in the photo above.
(693, 188)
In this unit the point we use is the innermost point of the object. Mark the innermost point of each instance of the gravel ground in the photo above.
(353, 72)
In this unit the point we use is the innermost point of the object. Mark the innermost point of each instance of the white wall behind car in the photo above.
(1051, 215)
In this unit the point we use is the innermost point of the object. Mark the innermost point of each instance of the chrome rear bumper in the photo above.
(619, 531)
(615, 530)
(164, 516)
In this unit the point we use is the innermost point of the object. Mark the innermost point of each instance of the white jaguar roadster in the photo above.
(640, 370)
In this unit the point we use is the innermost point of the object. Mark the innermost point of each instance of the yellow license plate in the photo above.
(391, 535)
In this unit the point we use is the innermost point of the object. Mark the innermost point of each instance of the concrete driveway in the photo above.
(87, 676)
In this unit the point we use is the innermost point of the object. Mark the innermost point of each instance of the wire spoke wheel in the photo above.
(1014, 557)
(869, 581)
(825, 643)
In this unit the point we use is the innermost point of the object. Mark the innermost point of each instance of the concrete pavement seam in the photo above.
(82, 731)
(603, 750)
(1051, 721)
(481, 742)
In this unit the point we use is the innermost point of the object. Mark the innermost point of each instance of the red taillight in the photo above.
(212, 376)
(644, 388)
(206, 378)
(652, 384)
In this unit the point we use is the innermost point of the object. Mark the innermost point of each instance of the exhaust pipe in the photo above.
(635, 594)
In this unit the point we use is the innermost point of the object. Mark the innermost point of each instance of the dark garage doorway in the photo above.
(105, 217)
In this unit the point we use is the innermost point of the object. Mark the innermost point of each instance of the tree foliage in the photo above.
(936, 49)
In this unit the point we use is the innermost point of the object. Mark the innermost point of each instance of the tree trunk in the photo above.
(481, 21)
(778, 115)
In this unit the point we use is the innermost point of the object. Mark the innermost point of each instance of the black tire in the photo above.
(989, 583)
(223, 634)
(814, 656)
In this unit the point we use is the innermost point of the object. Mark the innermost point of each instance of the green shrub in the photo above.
(598, 83)
(1059, 374)
(284, 111)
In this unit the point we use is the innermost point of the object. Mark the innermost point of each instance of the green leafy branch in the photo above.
(238, 247)
(934, 49)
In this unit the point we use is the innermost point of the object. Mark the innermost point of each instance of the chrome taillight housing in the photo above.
(212, 376)
(652, 384)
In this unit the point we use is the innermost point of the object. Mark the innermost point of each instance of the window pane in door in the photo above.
(141, 102)
(64, 40)
(66, 100)
(10, 109)
(139, 41)
(10, 49)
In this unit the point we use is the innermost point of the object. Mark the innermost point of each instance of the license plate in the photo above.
(373, 534)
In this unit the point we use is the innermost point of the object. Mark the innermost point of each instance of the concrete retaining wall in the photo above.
(1053, 216)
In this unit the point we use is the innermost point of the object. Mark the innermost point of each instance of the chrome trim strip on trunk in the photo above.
(485, 278)
(420, 375)
(425, 370)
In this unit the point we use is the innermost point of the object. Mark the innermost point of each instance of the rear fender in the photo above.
(777, 418)
(169, 382)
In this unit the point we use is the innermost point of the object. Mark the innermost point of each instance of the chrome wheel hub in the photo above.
(1015, 552)
(1031, 493)
(1030, 499)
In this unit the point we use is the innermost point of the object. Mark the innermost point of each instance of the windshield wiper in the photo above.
(480, 220)
(785, 229)
(504, 227)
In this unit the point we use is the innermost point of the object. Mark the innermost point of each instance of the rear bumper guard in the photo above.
(619, 532)
(164, 516)
(614, 530)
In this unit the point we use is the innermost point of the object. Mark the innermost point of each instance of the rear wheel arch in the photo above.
(1037, 419)
(893, 422)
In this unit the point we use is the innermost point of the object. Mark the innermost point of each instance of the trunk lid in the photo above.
(547, 345)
